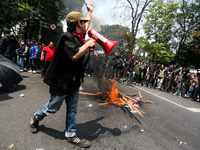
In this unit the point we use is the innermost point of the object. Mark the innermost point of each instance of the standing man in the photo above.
(8, 45)
(21, 53)
(168, 78)
(151, 74)
(130, 67)
(33, 56)
(65, 74)
(27, 56)
(160, 78)
(48, 51)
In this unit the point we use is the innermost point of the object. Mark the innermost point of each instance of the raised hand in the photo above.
(90, 6)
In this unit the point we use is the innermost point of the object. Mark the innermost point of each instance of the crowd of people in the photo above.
(66, 71)
(172, 79)
(29, 55)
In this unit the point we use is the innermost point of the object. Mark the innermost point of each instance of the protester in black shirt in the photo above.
(8, 45)
(168, 79)
(129, 66)
(151, 74)
(65, 74)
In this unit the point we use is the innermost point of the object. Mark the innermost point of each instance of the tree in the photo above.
(187, 21)
(115, 33)
(156, 51)
(159, 25)
(134, 13)
(29, 13)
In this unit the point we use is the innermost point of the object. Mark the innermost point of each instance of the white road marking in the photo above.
(190, 109)
(194, 109)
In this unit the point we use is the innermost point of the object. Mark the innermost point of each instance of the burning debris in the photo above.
(125, 101)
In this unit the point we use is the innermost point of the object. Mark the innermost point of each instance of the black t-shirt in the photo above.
(64, 75)
(152, 70)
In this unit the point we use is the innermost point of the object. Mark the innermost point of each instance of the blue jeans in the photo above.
(54, 105)
(132, 78)
(191, 90)
(20, 62)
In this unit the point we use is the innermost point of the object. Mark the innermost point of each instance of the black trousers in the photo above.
(196, 92)
(167, 84)
(45, 67)
(33, 64)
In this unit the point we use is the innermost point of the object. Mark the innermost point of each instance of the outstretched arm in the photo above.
(90, 8)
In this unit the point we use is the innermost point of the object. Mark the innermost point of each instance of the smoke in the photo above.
(102, 74)
(96, 21)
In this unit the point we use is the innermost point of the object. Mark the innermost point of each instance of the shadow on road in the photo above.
(89, 130)
(25, 76)
(52, 132)
(19, 88)
(4, 97)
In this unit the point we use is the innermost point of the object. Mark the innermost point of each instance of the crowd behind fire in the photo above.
(31, 56)
(181, 81)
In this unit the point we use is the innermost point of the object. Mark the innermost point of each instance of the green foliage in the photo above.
(159, 28)
(156, 51)
(188, 20)
(115, 33)
(28, 15)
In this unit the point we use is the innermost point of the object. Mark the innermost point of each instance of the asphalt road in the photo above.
(172, 124)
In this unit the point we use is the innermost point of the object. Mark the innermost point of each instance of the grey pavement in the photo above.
(172, 124)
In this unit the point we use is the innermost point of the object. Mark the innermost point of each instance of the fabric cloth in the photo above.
(63, 74)
(180, 76)
(191, 90)
(32, 64)
(54, 105)
(33, 51)
(167, 84)
(130, 65)
(129, 78)
(133, 59)
(20, 62)
(22, 51)
(161, 73)
(44, 68)
(8, 45)
(159, 82)
(137, 69)
(49, 53)
(81, 37)
(152, 70)
(168, 74)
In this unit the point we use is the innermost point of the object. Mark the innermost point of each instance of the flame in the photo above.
(113, 94)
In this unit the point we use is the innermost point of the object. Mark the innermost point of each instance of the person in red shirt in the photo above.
(46, 56)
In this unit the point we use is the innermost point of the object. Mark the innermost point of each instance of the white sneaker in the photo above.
(34, 71)
(175, 93)
(136, 83)
(30, 71)
(21, 70)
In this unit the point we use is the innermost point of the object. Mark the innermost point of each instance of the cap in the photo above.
(180, 68)
(75, 16)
